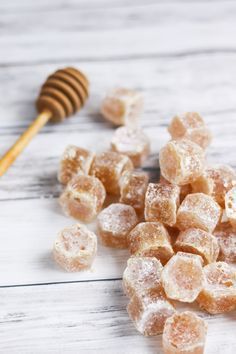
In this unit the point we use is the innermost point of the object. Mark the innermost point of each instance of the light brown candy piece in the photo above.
(230, 206)
(74, 161)
(181, 161)
(141, 273)
(149, 310)
(161, 203)
(133, 186)
(109, 167)
(122, 106)
(83, 198)
(182, 277)
(219, 292)
(199, 211)
(191, 126)
(132, 142)
(151, 239)
(226, 237)
(198, 242)
(184, 333)
(114, 224)
(75, 248)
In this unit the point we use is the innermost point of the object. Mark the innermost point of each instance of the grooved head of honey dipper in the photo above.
(63, 93)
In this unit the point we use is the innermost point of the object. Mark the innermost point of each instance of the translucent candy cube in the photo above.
(141, 273)
(198, 242)
(133, 186)
(75, 248)
(161, 203)
(131, 142)
(114, 224)
(149, 310)
(190, 126)
(151, 239)
(219, 292)
(230, 206)
(184, 333)
(181, 161)
(122, 106)
(83, 198)
(109, 167)
(226, 237)
(182, 277)
(199, 211)
(74, 161)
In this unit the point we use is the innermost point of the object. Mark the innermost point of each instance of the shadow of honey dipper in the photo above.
(63, 94)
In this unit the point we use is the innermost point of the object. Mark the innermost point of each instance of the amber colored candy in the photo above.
(149, 310)
(184, 333)
(161, 203)
(219, 292)
(182, 277)
(198, 242)
(230, 206)
(133, 143)
(83, 198)
(141, 273)
(122, 106)
(74, 161)
(181, 161)
(109, 167)
(133, 186)
(226, 237)
(150, 239)
(75, 248)
(191, 126)
(199, 211)
(114, 224)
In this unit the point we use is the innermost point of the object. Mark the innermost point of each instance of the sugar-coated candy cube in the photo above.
(132, 142)
(133, 186)
(219, 292)
(199, 211)
(226, 237)
(230, 206)
(181, 161)
(161, 203)
(182, 277)
(198, 242)
(109, 167)
(75, 248)
(122, 106)
(184, 333)
(150, 239)
(149, 310)
(83, 198)
(191, 126)
(74, 161)
(141, 273)
(114, 224)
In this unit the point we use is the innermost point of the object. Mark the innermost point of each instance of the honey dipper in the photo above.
(63, 94)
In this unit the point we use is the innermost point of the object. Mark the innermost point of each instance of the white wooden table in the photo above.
(182, 56)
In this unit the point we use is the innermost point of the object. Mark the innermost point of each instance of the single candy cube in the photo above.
(181, 161)
(133, 186)
(226, 237)
(83, 198)
(161, 203)
(114, 224)
(198, 242)
(149, 310)
(184, 333)
(122, 106)
(199, 211)
(150, 239)
(230, 206)
(182, 277)
(219, 292)
(190, 126)
(141, 273)
(133, 143)
(74, 161)
(109, 167)
(75, 248)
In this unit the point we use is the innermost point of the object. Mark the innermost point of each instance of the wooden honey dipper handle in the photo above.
(62, 95)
